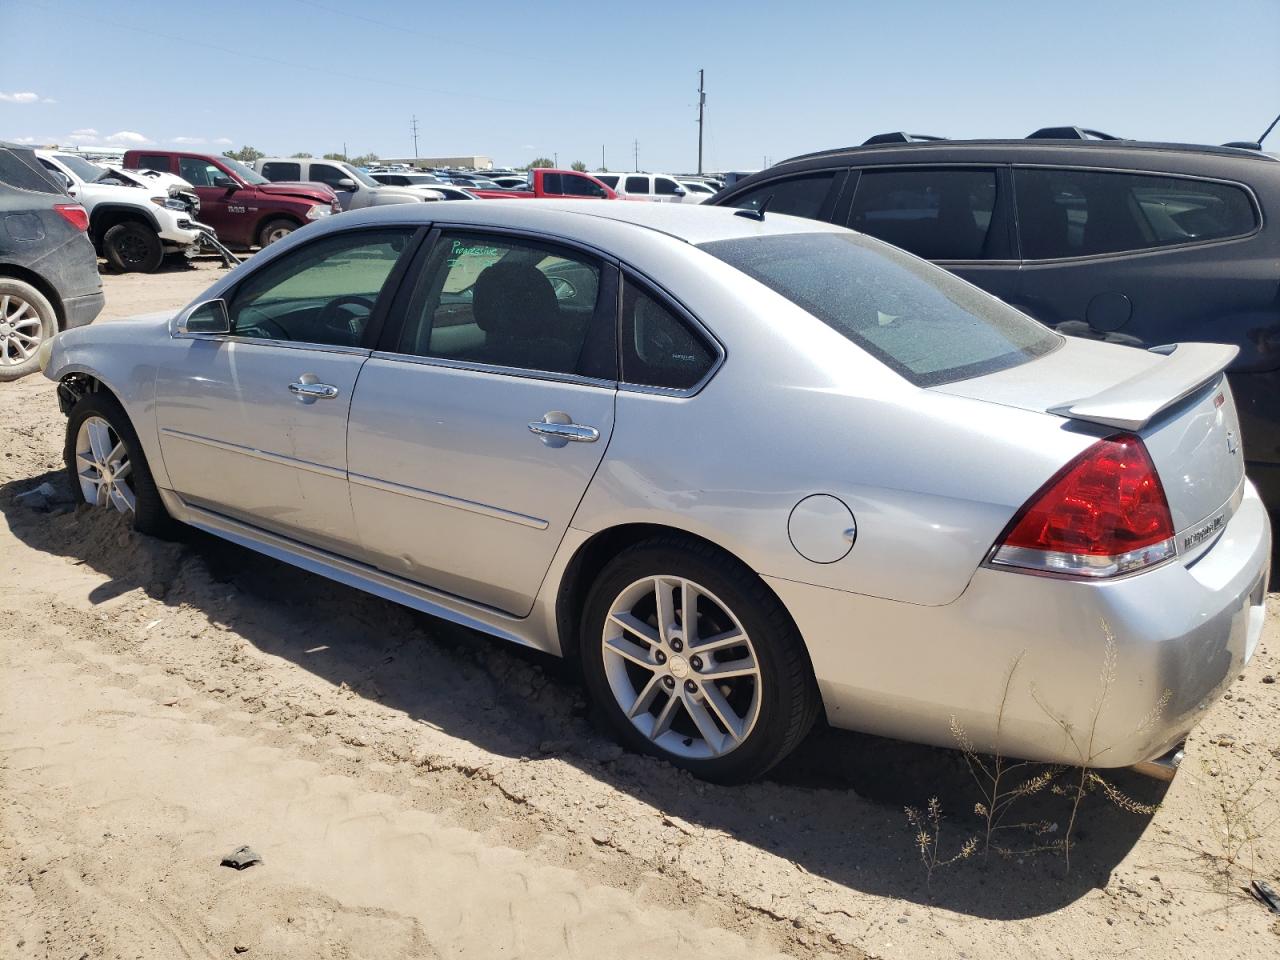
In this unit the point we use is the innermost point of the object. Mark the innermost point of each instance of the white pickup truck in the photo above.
(134, 218)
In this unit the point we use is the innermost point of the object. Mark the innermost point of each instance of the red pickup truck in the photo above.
(240, 204)
(558, 184)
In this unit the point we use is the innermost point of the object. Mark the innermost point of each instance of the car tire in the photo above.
(663, 706)
(27, 320)
(274, 230)
(133, 247)
(140, 499)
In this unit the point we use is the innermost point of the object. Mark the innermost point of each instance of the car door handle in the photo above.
(552, 431)
(313, 391)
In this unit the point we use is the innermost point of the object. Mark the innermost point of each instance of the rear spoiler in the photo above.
(1132, 403)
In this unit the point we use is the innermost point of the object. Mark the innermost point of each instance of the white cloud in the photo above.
(23, 97)
(128, 136)
(83, 135)
(223, 141)
(26, 140)
(188, 141)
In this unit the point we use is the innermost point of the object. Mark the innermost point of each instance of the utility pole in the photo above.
(702, 102)
(555, 160)
(344, 150)
(602, 166)
(635, 154)
(415, 136)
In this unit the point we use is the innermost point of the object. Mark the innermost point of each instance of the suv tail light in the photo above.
(74, 214)
(1105, 513)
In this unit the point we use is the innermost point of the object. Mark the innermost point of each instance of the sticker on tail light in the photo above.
(1102, 515)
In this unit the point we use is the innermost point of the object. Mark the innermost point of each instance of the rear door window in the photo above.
(154, 161)
(551, 183)
(802, 196)
(637, 185)
(277, 170)
(1080, 213)
(935, 214)
(923, 322)
(658, 348)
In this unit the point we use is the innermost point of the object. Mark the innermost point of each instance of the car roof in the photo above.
(1088, 150)
(589, 220)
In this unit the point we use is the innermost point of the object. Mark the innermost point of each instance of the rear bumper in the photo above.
(1181, 634)
(80, 311)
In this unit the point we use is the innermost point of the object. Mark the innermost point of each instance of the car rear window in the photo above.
(19, 170)
(926, 324)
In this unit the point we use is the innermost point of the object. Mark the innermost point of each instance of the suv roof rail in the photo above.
(1071, 133)
(899, 136)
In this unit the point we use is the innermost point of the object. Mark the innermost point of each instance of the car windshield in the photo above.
(926, 324)
(360, 176)
(421, 180)
(82, 168)
(247, 174)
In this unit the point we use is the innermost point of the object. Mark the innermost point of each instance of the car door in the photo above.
(253, 423)
(956, 216)
(478, 424)
(218, 208)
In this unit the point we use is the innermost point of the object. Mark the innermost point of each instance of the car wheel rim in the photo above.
(690, 684)
(21, 330)
(133, 249)
(279, 233)
(103, 466)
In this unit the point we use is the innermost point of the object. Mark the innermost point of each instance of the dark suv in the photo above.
(1119, 240)
(48, 271)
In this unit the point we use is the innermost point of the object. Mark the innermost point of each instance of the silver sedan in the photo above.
(749, 469)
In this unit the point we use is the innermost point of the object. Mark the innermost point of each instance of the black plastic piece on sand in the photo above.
(1266, 894)
(241, 857)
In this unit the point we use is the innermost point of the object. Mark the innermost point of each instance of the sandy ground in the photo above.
(416, 790)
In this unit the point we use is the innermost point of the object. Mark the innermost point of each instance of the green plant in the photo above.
(579, 166)
(540, 162)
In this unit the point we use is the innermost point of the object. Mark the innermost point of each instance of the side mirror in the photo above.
(346, 183)
(681, 191)
(208, 317)
(226, 183)
(63, 179)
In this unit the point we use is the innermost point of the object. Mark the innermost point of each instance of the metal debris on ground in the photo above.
(1265, 894)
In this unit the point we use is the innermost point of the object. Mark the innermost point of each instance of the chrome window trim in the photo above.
(285, 344)
(475, 367)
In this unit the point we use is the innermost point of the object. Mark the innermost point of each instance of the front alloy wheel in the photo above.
(103, 467)
(681, 667)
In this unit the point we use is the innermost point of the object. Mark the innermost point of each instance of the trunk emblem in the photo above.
(1232, 444)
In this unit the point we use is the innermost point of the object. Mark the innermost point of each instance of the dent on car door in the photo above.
(477, 428)
(253, 423)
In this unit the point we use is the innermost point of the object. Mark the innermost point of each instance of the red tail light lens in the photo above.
(74, 214)
(1104, 514)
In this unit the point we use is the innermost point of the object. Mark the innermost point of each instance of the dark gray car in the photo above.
(48, 270)
(1134, 243)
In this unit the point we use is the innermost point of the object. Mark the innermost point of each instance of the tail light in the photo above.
(1105, 513)
(74, 214)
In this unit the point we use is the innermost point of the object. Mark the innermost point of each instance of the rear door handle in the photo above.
(312, 391)
(556, 433)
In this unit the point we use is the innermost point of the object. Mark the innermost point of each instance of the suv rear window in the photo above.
(926, 324)
(18, 170)
(935, 214)
(1080, 213)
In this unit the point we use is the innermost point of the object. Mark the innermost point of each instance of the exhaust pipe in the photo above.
(1162, 767)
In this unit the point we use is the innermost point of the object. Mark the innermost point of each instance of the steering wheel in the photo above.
(331, 317)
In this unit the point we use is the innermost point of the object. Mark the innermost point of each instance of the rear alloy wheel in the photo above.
(26, 320)
(274, 230)
(132, 247)
(693, 659)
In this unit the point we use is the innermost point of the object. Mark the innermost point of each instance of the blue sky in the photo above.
(545, 77)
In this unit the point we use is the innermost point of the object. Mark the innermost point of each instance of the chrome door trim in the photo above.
(444, 500)
(286, 344)
(475, 367)
(317, 468)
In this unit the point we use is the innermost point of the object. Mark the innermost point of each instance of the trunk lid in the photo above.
(1175, 398)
